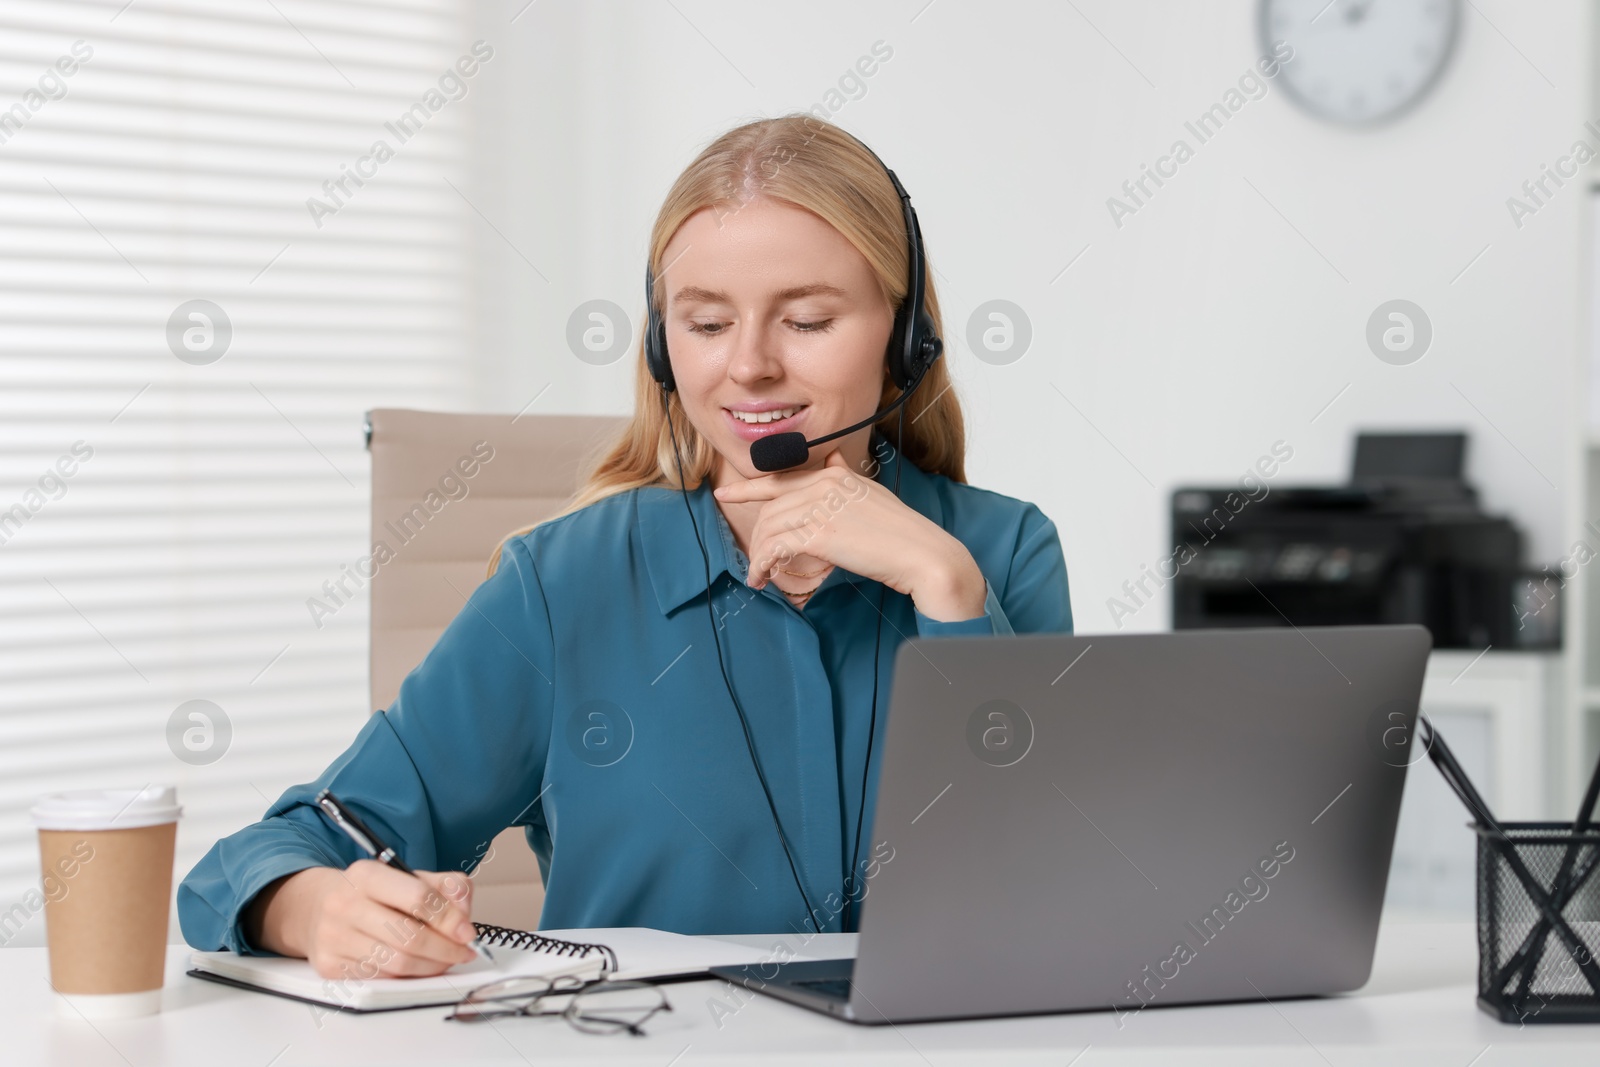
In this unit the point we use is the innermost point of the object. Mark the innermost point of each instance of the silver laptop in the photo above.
(1126, 821)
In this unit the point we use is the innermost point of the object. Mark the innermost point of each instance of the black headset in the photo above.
(914, 346)
(914, 343)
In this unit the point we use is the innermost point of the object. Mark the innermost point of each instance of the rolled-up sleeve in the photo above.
(457, 758)
(1034, 596)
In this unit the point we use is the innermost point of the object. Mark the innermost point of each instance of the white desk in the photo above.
(1417, 1011)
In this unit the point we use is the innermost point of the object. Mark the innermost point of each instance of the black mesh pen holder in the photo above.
(1539, 923)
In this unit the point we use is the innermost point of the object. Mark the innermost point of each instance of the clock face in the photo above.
(1359, 61)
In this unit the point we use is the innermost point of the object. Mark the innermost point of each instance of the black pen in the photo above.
(359, 832)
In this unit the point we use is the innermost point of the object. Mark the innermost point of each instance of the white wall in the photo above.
(1202, 331)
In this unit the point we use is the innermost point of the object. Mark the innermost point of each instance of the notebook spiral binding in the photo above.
(532, 942)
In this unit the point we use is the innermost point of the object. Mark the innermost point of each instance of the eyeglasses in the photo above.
(594, 1006)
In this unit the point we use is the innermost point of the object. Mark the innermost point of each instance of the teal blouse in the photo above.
(577, 695)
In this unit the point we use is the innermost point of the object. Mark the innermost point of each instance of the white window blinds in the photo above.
(199, 301)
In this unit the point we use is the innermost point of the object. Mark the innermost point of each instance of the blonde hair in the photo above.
(815, 165)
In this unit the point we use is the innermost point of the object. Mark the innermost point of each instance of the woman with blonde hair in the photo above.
(789, 500)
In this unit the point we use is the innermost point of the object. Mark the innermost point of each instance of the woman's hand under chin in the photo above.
(836, 516)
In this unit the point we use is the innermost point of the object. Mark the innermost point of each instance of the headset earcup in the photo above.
(920, 354)
(930, 346)
(655, 338)
(660, 364)
(901, 353)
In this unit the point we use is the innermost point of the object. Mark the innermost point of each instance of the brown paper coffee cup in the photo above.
(106, 861)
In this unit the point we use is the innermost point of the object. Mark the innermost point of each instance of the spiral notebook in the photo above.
(625, 953)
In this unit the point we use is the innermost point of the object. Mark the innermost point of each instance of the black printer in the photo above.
(1404, 542)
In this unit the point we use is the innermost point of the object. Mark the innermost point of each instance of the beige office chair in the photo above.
(442, 524)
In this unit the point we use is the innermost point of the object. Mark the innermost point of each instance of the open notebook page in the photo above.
(641, 953)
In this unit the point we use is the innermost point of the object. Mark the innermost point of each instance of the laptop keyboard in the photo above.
(837, 988)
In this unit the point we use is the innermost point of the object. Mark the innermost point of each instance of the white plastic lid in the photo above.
(107, 809)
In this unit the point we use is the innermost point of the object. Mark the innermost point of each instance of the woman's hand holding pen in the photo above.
(368, 920)
(848, 520)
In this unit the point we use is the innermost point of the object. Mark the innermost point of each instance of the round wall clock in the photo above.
(1359, 61)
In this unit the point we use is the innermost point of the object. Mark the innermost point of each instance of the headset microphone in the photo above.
(780, 451)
